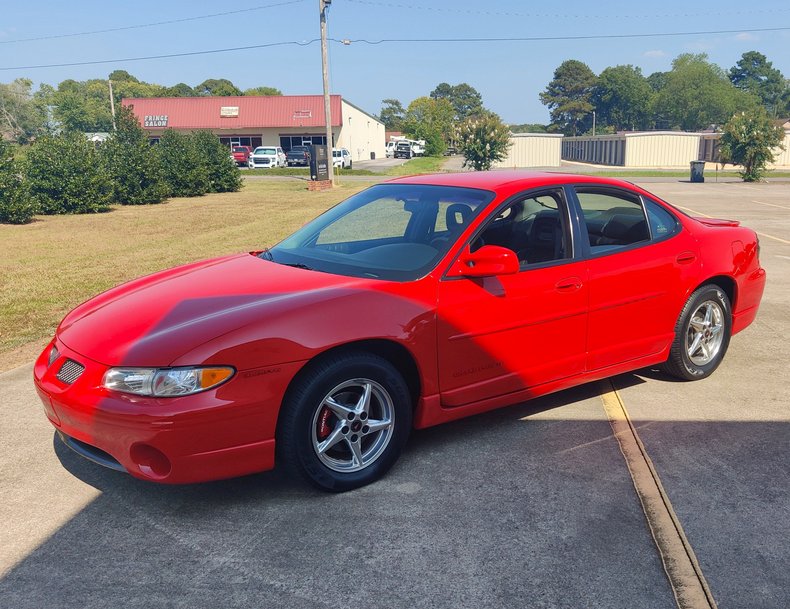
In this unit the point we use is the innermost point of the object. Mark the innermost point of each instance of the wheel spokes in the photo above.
(332, 439)
(340, 411)
(374, 426)
(363, 405)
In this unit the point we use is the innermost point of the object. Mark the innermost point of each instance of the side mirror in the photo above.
(488, 261)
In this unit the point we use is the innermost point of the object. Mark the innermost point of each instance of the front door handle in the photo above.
(569, 284)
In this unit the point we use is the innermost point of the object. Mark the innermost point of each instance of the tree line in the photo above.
(694, 95)
(85, 105)
(451, 115)
(65, 173)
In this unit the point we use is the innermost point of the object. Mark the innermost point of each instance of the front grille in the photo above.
(70, 371)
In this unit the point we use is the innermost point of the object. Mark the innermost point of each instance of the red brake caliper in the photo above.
(323, 424)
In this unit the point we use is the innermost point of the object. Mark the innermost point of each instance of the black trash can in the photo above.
(372, 156)
(697, 171)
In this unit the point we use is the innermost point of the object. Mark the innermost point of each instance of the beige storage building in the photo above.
(640, 149)
(533, 150)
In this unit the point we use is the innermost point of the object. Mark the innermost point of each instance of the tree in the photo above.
(466, 100)
(622, 98)
(392, 114)
(22, 115)
(217, 87)
(698, 94)
(179, 90)
(183, 168)
(430, 120)
(657, 81)
(262, 90)
(756, 75)
(65, 177)
(527, 128)
(568, 97)
(750, 139)
(122, 76)
(222, 171)
(16, 207)
(483, 140)
(131, 164)
(82, 106)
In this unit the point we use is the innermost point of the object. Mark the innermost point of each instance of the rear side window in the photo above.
(613, 220)
(662, 223)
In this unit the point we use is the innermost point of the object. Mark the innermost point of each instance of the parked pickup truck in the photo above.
(241, 154)
(298, 155)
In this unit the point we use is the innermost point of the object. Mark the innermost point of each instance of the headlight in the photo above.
(53, 355)
(165, 382)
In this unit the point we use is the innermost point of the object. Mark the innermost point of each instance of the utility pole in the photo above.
(112, 106)
(593, 123)
(322, 4)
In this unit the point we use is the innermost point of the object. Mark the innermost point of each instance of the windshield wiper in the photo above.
(298, 265)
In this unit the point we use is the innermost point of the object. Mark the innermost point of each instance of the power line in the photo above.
(146, 25)
(399, 41)
(303, 43)
(549, 38)
(496, 13)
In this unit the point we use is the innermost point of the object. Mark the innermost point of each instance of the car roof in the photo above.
(495, 180)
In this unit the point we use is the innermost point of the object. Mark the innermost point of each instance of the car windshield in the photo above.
(396, 232)
(265, 151)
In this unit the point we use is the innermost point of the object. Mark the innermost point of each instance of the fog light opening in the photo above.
(150, 461)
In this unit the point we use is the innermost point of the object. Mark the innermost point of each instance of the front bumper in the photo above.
(221, 433)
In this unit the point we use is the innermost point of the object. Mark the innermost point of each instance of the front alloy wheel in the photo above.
(353, 426)
(344, 420)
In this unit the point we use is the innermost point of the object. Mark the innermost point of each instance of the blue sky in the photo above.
(508, 74)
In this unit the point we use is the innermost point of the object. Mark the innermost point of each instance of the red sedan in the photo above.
(415, 302)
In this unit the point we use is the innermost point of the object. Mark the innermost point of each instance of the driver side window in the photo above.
(533, 227)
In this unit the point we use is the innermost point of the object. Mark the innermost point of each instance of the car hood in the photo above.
(154, 320)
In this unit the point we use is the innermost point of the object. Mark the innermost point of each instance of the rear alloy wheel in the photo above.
(345, 421)
(702, 334)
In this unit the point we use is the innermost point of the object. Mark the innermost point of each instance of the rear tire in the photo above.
(702, 334)
(344, 421)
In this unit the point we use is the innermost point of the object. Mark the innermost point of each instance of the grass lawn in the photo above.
(304, 172)
(420, 164)
(51, 265)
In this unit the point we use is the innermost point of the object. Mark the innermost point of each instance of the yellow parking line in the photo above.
(680, 563)
(699, 213)
(770, 204)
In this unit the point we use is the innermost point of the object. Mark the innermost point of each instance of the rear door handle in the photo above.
(569, 284)
(686, 257)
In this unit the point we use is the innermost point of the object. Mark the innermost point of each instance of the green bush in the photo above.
(64, 176)
(751, 139)
(131, 164)
(223, 173)
(483, 140)
(16, 207)
(183, 169)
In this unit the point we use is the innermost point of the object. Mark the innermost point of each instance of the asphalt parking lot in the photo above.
(530, 506)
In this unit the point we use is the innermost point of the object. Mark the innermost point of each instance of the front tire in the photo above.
(344, 421)
(702, 334)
